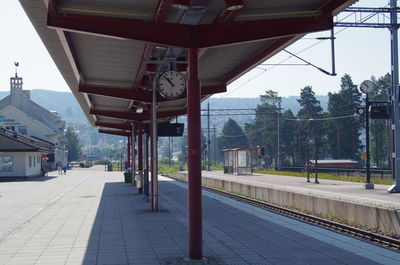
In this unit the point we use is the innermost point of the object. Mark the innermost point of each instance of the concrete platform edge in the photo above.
(367, 216)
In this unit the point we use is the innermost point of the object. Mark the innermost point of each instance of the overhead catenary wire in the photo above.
(289, 119)
(320, 119)
(252, 132)
(297, 53)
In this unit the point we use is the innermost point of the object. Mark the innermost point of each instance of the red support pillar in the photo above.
(194, 158)
(153, 143)
(133, 165)
(151, 166)
(140, 155)
(128, 162)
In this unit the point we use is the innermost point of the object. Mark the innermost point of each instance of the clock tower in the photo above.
(16, 89)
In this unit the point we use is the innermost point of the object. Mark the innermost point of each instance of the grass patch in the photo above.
(324, 176)
(164, 169)
(217, 167)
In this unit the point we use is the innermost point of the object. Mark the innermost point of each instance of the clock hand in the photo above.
(169, 81)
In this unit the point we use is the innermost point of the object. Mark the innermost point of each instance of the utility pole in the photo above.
(169, 151)
(208, 138)
(308, 159)
(215, 145)
(279, 137)
(316, 158)
(368, 185)
(394, 90)
(366, 88)
(394, 99)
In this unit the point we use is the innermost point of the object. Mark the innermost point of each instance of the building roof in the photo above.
(343, 161)
(13, 142)
(108, 50)
(44, 116)
(238, 149)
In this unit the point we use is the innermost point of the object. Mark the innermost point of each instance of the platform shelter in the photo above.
(238, 161)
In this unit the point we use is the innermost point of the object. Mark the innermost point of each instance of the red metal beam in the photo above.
(255, 60)
(189, 36)
(122, 126)
(67, 45)
(135, 116)
(331, 7)
(218, 34)
(116, 92)
(141, 94)
(120, 133)
(165, 34)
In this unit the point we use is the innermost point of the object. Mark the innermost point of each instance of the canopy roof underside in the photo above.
(108, 51)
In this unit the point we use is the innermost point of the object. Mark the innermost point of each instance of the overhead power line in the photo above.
(361, 20)
(320, 119)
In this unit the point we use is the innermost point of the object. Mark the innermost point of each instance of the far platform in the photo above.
(351, 191)
(374, 209)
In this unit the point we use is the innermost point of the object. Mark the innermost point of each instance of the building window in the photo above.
(22, 130)
(6, 163)
(34, 161)
(30, 161)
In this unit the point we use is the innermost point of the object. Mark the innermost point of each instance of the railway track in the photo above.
(381, 240)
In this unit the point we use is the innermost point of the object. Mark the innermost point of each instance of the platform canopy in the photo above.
(109, 50)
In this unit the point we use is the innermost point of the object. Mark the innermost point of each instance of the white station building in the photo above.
(20, 114)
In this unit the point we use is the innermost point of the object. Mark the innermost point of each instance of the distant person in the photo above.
(65, 170)
(43, 170)
(59, 167)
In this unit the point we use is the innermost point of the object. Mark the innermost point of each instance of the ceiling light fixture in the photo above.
(232, 5)
(181, 4)
(139, 110)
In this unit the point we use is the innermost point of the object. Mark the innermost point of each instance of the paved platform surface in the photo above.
(90, 217)
(348, 191)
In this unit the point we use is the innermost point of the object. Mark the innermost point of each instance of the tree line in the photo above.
(333, 134)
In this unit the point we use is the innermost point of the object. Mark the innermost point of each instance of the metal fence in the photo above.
(381, 173)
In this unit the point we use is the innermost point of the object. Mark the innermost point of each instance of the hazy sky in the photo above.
(359, 52)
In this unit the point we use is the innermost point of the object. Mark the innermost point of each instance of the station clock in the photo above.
(172, 84)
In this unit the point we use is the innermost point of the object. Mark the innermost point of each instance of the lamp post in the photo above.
(316, 159)
(309, 142)
(366, 87)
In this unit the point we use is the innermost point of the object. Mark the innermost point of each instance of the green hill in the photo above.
(70, 111)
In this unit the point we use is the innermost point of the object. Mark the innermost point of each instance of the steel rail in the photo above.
(371, 237)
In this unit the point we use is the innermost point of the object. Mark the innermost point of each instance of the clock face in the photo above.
(366, 86)
(172, 84)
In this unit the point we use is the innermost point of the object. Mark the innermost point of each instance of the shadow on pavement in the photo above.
(31, 179)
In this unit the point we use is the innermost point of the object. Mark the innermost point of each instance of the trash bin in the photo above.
(109, 168)
(139, 181)
(128, 177)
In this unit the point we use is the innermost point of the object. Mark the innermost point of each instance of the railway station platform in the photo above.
(89, 216)
(339, 200)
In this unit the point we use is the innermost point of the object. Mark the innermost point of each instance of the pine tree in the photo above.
(263, 131)
(288, 138)
(309, 130)
(343, 135)
(73, 147)
(379, 129)
(232, 136)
